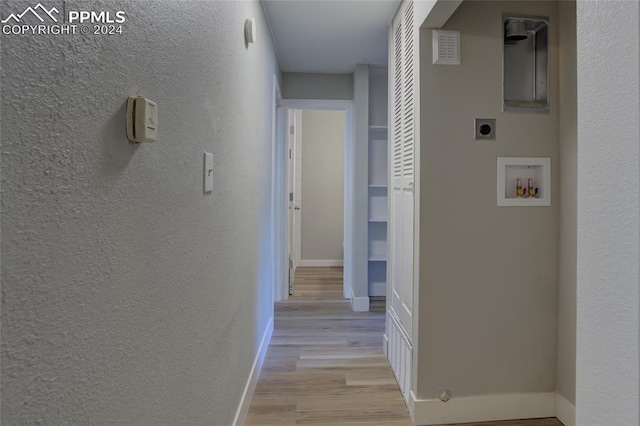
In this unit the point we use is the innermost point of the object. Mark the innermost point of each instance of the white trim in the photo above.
(276, 204)
(347, 227)
(565, 411)
(359, 304)
(283, 194)
(321, 263)
(250, 387)
(482, 408)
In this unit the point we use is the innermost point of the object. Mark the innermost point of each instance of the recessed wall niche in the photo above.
(525, 64)
(524, 181)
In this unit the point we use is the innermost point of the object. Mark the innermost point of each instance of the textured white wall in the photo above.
(488, 275)
(322, 185)
(128, 296)
(608, 323)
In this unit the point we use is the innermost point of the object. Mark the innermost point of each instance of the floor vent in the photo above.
(399, 355)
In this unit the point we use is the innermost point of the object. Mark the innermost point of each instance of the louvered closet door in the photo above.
(403, 161)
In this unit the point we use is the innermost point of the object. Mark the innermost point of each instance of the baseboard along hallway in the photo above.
(325, 365)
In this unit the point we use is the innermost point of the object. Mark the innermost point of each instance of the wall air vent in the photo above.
(446, 47)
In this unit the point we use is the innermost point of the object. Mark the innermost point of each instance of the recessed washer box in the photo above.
(510, 169)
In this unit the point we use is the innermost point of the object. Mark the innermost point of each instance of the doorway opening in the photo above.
(316, 189)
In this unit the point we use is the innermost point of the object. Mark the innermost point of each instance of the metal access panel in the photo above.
(526, 65)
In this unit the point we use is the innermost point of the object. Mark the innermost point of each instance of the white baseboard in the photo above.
(482, 408)
(359, 304)
(378, 289)
(321, 263)
(250, 387)
(565, 411)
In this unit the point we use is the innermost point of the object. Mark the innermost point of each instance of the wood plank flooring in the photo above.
(325, 364)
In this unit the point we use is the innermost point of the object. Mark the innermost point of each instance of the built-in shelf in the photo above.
(377, 201)
(377, 220)
(378, 160)
(377, 279)
(377, 246)
(377, 194)
(510, 169)
(377, 127)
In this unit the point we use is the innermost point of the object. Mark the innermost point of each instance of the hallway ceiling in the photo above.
(328, 36)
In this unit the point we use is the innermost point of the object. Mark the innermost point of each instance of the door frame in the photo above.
(294, 143)
(277, 176)
(316, 104)
(296, 189)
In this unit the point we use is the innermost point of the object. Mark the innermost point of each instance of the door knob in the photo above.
(296, 208)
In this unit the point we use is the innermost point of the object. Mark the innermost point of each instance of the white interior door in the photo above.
(402, 169)
(297, 190)
(295, 198)
(290, 167)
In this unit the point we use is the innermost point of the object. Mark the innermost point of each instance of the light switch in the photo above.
(208, 172)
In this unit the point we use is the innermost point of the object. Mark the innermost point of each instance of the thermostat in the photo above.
(142, 120)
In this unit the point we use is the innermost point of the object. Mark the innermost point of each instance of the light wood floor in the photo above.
(325, 364)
